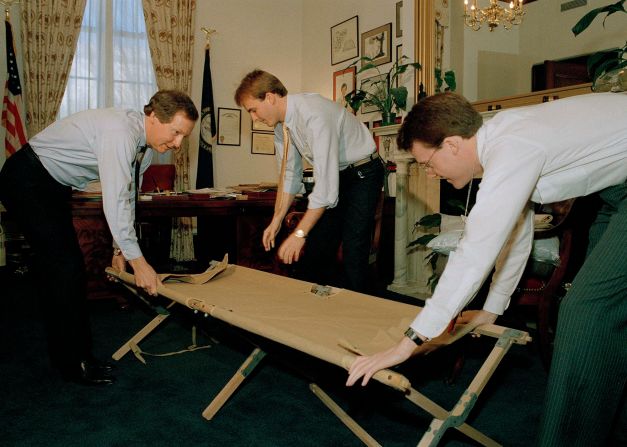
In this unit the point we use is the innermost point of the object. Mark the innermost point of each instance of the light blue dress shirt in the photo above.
(99, 144)
(328, 137)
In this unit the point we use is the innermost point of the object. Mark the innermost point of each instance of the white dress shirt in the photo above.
(99, 144)
(328, 137)
(543, 154)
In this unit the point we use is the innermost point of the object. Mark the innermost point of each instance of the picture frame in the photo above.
(399, 55)
(367, 85)
(344, 82)
(258, 126)
(399, 17)
(377, 45)
(345, 40)
(262, 143)
(229, 126)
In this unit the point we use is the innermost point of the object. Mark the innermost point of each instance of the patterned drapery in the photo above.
(50, 30)
(170, 28)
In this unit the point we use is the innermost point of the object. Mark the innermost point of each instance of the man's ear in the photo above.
(270, 97)
(454, 142)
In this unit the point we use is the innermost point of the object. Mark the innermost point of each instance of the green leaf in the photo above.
(449, 78)
(422, 240)
(587, 19)
(399, 95)
(430, 220)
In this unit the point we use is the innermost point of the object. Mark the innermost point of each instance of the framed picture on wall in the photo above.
(399, 55)
(259, 126)
(399, 17)
(262, 143)
(229, 126)
(377, 45)
(344, 82)
(345, 40)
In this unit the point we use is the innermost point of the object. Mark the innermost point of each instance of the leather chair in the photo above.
(541, 290)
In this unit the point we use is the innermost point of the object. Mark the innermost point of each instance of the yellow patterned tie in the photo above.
(286, 147)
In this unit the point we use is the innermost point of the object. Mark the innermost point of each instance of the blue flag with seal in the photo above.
(204, 174)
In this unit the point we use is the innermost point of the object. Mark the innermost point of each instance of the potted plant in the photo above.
(380, 91)
(607, 68)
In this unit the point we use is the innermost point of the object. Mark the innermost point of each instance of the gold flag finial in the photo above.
(7, 7)
(208, 33)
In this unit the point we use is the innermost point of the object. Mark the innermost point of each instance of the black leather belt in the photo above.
(363, 161)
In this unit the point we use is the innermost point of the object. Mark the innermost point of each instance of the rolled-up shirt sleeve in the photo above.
(499, 230)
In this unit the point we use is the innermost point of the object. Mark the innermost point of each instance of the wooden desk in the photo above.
(224, 226)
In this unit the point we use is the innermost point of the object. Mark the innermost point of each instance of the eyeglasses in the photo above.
(427, 164)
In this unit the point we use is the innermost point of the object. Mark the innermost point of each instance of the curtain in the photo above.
(112, 66)
(170, 28)
(50, 29)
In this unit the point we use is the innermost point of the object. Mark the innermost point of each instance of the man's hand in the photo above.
(290, 249)
(368, 366)
(269, 234)
(145, 276)
(118, 262)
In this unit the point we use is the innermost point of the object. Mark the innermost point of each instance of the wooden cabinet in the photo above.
(528, 99)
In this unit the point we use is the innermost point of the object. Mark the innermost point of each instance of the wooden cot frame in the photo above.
(442, 419)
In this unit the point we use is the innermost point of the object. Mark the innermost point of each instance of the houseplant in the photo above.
(380, 91)
(607, 68)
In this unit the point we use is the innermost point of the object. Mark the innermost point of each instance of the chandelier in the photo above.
(494, 15)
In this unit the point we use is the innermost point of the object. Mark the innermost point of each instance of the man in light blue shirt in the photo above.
(347, 170)
(36, 185)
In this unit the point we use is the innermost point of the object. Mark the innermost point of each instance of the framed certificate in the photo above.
(262, 143)
(229, 126)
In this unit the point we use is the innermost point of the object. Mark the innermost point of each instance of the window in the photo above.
(112, 66)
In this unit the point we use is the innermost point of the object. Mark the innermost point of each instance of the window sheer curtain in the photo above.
(112, 66)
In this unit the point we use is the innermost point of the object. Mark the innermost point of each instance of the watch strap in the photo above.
(413, 336)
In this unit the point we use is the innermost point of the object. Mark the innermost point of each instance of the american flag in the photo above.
(15, 136)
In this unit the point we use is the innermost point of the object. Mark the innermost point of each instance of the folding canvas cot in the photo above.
(333, 325)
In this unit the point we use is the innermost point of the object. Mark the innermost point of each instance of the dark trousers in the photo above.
(585, 401)
(350, 223)
(41, 206)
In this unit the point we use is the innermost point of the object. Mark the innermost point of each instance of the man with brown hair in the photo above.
(348, 176)
(36, 187)
(538, 154)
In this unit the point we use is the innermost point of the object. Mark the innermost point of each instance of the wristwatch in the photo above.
(300, 233)
(117, 252)
(413, 336)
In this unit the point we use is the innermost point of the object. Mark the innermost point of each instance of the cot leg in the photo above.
(143, 333)
(247, 367)
(344, 417)
(459, 413)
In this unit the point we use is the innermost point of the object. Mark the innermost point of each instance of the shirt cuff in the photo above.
(496, 303)
(429, 326)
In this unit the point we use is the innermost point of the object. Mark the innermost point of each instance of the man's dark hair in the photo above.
(167, 103)
(437, 117)
(256, 84)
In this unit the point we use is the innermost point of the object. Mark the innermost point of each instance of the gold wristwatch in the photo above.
(300, 233)
(117, 252)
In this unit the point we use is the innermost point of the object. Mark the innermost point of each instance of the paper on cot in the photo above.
(198, 278)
